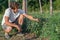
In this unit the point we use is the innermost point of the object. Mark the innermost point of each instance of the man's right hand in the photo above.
(18, 28)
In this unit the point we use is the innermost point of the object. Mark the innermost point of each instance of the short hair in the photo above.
(14, 5)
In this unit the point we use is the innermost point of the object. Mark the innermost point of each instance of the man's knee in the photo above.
(20, 20)
(8, 29)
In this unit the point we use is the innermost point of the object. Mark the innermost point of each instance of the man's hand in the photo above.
(18, 28)
(37, 20)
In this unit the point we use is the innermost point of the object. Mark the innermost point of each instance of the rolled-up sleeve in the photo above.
(7, 13)
(22, 12)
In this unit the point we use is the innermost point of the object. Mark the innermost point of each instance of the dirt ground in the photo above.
(28, 36)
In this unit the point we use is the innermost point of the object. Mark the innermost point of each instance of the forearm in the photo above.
(30, 17)
(10, 24)
(13, 25)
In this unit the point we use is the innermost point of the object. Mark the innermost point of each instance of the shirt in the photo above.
(12, 16)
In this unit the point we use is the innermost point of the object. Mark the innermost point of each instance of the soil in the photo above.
(27, 36)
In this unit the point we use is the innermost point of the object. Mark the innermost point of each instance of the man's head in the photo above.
(14, 6)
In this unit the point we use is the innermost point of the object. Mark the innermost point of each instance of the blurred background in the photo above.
(48, 11)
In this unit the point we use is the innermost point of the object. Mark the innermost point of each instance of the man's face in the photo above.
(15, 10)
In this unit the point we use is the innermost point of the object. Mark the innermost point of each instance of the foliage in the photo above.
(3, 5)
(48, 27)
(32, 4)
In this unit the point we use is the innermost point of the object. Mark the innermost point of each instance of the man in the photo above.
(13, 17)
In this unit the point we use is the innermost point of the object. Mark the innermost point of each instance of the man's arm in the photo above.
(30, 17)
(9, 23)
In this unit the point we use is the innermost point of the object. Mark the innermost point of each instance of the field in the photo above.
(48, 28)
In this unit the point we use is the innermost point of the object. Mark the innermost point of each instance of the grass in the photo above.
(0, 21)
(48, 27)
